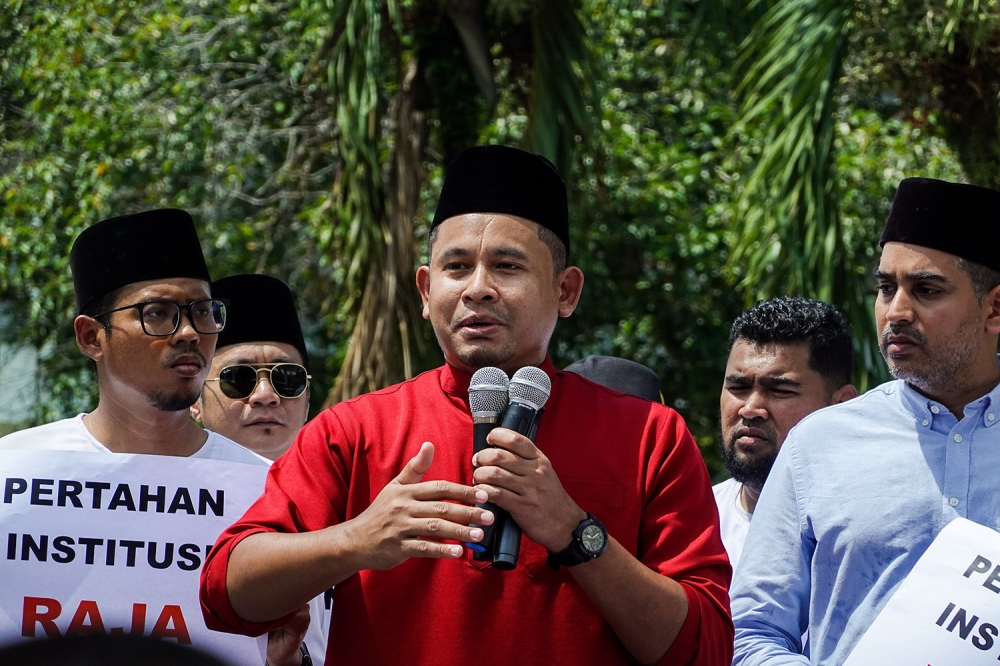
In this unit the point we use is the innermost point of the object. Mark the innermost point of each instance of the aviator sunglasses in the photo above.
(289, 380)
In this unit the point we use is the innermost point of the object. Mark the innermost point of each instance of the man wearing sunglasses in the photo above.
(257, 391)
(621, 560)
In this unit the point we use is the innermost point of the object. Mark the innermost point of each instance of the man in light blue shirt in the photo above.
(859, 490)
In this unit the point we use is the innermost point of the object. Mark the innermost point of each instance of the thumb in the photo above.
(418, 465)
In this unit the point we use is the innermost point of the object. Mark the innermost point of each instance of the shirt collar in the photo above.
(455, 381)
(924, 409)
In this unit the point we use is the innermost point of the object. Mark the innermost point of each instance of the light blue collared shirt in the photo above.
(855, 497)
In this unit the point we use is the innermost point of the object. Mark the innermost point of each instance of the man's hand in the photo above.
(409, 518)
(283, 644)
(520, 479)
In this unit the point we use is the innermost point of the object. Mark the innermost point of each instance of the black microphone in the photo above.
(487, 400)
(529, 389)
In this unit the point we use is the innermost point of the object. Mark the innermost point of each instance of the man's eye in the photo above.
(884, 288)
(154, 312)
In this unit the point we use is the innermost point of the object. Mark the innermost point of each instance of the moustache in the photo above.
(904, 330)
(180, 351)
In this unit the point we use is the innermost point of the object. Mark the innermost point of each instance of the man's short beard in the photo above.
(751, 471)
(938, 375)
(173, 402)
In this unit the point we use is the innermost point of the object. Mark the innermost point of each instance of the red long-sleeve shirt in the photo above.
(631, 463)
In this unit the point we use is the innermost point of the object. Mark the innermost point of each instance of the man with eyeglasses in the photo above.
(149, 322)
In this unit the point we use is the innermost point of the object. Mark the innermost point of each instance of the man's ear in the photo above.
(424, 287)
(992, 305)
(90, 336)
(843, 394)
(195, 409)
(570, 287)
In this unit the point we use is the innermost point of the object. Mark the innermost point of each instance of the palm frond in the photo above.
(788, 237)
(562, 99)
(372, 245)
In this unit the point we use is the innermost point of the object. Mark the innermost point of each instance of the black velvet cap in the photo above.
(153, 245)
(963, 220)
(619, 374)
(500, 179)
(261, 309)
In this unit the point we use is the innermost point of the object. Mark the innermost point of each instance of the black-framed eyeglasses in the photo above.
(163, 318)
(289, 380)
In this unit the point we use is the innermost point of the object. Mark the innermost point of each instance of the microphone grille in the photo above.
(488, 391)
(530, 385)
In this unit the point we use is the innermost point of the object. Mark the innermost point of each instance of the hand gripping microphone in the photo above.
(487, 400)
(529, 389)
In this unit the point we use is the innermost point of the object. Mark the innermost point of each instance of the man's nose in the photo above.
(481, 287)
(755, 407)
(264, 394)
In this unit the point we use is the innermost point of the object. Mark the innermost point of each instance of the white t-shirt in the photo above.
(72, 435)
(733, 518)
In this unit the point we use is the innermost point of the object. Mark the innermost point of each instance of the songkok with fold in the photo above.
(500, 179)
(152, 245)
(963, 220)
(620, 374)
(260, 308)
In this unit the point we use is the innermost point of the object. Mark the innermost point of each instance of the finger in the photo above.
(516, 443)
(446, 490)
(498, 478)
(418, 465)
(455, 513)
(502, 458)
(423, 548)
(437, 529)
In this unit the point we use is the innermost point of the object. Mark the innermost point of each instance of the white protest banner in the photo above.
(947, 611)
(105, 542)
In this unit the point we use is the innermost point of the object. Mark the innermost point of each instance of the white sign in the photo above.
(947, 611)
(104, 542)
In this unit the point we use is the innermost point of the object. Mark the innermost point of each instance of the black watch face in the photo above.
(592, 538)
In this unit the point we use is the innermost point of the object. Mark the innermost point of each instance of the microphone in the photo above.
(487, 400)
(529, 390)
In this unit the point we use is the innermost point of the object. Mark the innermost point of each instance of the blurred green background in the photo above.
(716, 152)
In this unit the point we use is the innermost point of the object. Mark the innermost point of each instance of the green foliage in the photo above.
(295, 130)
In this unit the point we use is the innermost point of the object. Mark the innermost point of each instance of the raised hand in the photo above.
(411, 518)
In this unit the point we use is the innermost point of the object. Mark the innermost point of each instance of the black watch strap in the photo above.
(590, 538)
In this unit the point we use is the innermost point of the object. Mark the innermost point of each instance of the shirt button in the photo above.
(958, 438)
(991, 417)
(953, 501)
(935, 409)
(925, 422)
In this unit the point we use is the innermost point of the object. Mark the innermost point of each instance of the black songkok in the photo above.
(620, 374)
(499, 179)
(260, 308)
(153, 245)
(963, 220)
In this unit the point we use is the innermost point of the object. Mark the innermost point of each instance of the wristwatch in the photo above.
(590, 538)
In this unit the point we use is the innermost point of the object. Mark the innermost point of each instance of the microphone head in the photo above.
(530, 386)
(488, 391)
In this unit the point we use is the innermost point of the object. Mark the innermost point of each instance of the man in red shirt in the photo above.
(378, 492)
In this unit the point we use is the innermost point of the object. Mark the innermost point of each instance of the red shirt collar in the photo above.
(455, 382)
